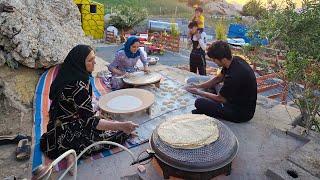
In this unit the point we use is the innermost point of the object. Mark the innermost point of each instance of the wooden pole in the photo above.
(175, 13)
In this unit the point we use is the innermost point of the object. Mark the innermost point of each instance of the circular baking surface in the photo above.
(140, 78)
(207, 158)
(126, 101)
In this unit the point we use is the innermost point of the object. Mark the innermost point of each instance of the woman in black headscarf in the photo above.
(72, 123)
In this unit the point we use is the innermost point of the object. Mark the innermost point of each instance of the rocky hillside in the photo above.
(222, 7)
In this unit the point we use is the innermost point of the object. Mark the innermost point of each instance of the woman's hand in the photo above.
(128, 126)
(146, 70)
(126, 75)
(118, 72)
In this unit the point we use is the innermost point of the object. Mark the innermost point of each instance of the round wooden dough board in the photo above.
(126, 101)
(140, 78)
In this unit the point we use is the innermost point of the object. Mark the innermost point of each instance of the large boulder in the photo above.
(17, 88)
(39, 33)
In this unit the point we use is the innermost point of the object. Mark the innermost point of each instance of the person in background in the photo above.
(197, 55)
(236, 100)
(125, 62)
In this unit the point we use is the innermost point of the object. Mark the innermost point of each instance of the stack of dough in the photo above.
(189, 131)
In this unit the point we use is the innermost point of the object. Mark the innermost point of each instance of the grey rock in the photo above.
(40, 33)
(10, 178)
(287, 170)
(2, 58)
(131, 177)
(307, 157)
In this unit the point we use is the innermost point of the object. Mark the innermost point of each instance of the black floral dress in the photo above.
(72, 124)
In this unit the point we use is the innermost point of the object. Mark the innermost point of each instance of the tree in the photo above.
(126, 17)
(254, 8)
(298, 33)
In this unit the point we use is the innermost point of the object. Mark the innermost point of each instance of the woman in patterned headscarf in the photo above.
(72, 124)
(125, 61)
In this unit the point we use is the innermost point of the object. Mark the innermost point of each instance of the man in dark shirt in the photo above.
(236, 101)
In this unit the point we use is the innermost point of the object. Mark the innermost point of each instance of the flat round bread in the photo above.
(141, 78)
(189, 131)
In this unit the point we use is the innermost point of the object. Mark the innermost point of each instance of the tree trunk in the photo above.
(122, 36)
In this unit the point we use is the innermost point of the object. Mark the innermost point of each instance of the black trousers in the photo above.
(217, 110)
(198, 62)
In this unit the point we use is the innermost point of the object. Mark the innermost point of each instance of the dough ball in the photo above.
(170, 106)
(165, 103)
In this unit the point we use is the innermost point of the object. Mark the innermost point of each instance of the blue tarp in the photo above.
(240, 31)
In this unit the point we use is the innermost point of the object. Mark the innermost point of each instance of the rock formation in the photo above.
(39, 33)
(221, 7)
(34, 34)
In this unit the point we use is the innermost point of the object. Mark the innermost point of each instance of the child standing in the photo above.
(199, 18)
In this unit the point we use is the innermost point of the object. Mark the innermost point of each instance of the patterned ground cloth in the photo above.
(41, 118)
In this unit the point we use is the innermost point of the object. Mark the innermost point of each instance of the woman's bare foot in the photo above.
(70, 160)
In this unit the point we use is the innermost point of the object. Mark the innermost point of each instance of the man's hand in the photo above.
(198, 35)
(193, 90)
(192, 85)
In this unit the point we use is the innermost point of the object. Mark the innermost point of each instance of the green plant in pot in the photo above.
(174, 29)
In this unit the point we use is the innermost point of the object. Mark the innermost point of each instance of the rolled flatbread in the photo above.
(189, 131)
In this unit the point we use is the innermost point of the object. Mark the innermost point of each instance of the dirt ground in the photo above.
(17, 89)
(9, 125)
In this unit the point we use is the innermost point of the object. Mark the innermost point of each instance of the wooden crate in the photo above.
(110, 37)
(171, 43)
